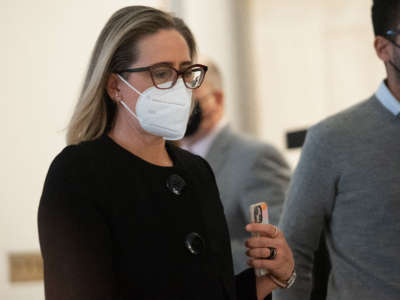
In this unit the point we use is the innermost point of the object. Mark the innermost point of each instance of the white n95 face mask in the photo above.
(162, 113)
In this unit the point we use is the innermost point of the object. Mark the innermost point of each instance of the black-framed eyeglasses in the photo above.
(390, 34)
(165, 76)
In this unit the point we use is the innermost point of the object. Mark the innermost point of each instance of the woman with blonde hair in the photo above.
(125, 215)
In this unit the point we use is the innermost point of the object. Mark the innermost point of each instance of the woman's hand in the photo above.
(260, 250)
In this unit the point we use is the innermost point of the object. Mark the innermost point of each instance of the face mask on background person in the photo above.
(195, 120)
(163, 113)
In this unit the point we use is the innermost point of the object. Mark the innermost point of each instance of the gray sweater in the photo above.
(347, 182)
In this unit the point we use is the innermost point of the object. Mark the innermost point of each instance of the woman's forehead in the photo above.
(164, 46)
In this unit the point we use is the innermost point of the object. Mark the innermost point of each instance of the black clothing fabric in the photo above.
(321, 270)
(110, 227)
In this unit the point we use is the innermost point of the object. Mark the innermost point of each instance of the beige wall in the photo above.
(45, 46)
(313, 58)
(212, 23)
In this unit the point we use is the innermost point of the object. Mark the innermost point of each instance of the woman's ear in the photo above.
(112, 87)
(382, 48)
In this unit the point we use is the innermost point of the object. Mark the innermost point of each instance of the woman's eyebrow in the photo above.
(185, 63)
(168, 63)
(163, 63)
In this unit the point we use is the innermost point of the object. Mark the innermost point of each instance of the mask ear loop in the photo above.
(128, 109)
(128, 84)
(122, 101)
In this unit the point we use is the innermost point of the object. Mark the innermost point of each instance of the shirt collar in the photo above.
(202, 146)
(387, 99)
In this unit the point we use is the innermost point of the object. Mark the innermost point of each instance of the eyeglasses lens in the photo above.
(163, 76)
(193, 77)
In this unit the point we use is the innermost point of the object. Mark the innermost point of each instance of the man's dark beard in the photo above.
(395, 63)
(396, 68)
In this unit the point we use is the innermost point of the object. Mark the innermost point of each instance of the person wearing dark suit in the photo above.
(125, 215)
(247, 171)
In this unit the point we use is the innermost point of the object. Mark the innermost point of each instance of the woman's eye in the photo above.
(162, 74)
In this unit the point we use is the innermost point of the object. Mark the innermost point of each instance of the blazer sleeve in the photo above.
(267, 180)
(246, 286)
(74, 238)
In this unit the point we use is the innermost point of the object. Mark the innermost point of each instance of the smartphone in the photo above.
(259, 214)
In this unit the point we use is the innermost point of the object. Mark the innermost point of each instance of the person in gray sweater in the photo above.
(347, 185)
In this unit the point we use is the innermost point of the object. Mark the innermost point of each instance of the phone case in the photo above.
(259, 214)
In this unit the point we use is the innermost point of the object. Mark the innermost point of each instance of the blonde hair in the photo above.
(116, 49)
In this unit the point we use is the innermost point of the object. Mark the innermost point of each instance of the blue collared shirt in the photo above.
(387, 99)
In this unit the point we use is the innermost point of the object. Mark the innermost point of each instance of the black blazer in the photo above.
(111, 226)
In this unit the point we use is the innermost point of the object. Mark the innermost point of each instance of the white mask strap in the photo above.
(122, 102)
(128, 109)
(128, 84)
